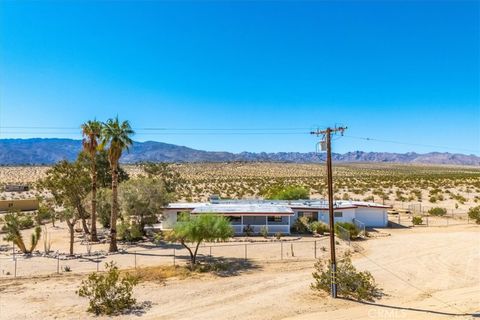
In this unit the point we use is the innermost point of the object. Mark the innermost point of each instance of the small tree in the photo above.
(437, 211)
(287, 193)
(359, 285)
(12, 228)
(204, 227)
(474, 214)
(109, 293)
(142, 199)
(70, 217)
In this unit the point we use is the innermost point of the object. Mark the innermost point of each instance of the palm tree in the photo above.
(92, 131)
(117, 136)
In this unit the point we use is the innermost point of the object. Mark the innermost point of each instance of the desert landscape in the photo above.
(419, 270)
(455, 188)
(416, 266)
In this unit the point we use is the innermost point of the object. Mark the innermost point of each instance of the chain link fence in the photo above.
(19, 265)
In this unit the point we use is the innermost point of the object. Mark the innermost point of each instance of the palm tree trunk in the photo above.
(71, 229)
(93, 230)
(113, 218)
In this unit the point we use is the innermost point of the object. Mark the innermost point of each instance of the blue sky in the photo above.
(400, 70)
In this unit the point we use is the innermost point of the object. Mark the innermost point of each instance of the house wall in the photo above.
(347, 215)
(372, 217)
(170, 217)
(19, 204)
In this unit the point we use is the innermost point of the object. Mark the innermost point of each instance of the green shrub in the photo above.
(474, 213)
(301, 225)
(437, 211)
(129, 232)
(350, 227)
(109, 293)
(317, 227)
(417, 220)
(359, 285)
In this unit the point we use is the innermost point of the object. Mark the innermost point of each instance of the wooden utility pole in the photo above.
(327, 135)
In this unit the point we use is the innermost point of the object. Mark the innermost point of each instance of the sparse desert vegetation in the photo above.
(453, 188)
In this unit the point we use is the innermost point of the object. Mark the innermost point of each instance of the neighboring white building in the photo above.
(279, 215)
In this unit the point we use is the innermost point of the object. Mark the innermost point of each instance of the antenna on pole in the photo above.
(326, 145)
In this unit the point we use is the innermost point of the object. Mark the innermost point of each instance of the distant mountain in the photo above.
(48, 151)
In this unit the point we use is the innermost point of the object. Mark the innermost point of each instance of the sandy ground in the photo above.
(426, 273)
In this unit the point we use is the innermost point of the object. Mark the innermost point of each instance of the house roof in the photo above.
(268, 207)
(244, 209)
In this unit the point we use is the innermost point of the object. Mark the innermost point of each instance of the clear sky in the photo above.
(394, 70)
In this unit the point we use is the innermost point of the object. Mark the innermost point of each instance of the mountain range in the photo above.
(48, 151)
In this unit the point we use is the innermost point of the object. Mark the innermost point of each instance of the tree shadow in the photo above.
(139, 309)
(226, 267)
(380, 305)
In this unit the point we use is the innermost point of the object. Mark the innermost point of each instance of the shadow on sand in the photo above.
(380, 305)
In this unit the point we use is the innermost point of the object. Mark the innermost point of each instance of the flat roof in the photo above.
(269, 206)
(257, 209)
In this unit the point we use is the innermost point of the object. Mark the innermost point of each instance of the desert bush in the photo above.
(264, 232)
(109, 293)
(248, 230)
(437, 211)
(474, 213)
(359, 285)
(129, 232)
(417, 220)
(278, 235)
(317, 227)
(350, 227)
(301, 225)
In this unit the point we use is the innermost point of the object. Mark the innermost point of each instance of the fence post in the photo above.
(15, 272)
(58, 264)
(427, 220)
(315, 248)
(245, 252)
(173, 256)
(398, 218)
(135, 255)
(210, 251)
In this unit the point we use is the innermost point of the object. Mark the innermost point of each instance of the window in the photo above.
(338, 214)
(275, 219)
(235, 219)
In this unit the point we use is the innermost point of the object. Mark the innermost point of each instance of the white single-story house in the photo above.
(279, 215)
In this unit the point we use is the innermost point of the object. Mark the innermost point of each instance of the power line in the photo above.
(177, 131)
(409, 143)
